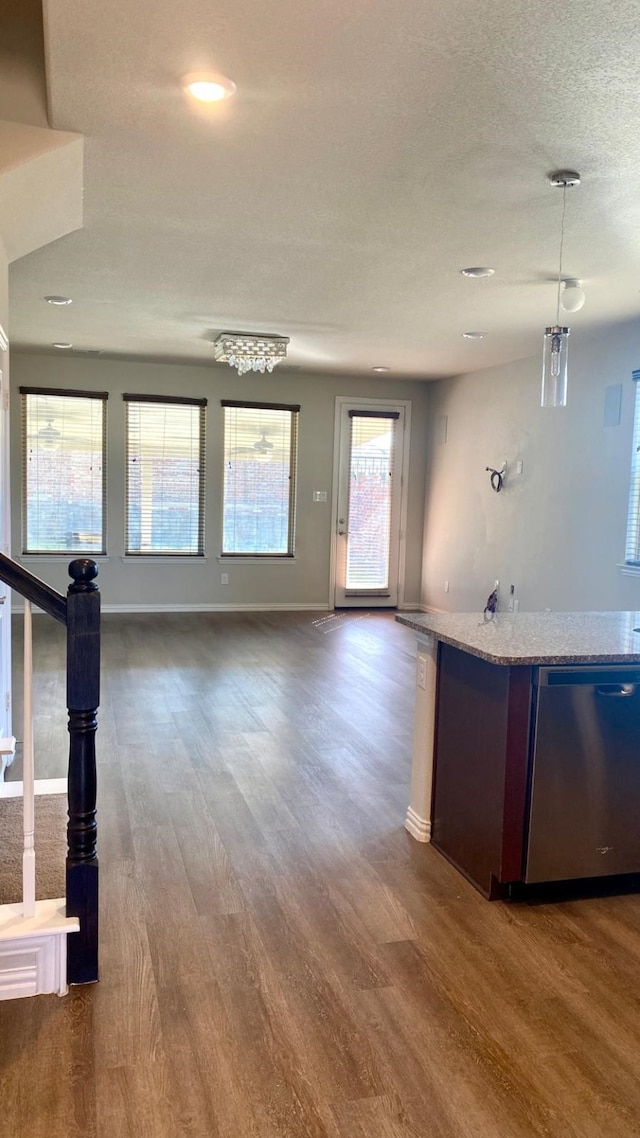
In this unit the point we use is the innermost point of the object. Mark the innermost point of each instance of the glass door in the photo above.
(368, 506)
(5, 545)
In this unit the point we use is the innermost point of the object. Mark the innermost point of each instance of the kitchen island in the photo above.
(522, 766)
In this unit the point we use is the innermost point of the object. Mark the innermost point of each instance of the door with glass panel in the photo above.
(5, 593)
(368, 505)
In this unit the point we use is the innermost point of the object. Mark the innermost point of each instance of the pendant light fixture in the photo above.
(556, 337)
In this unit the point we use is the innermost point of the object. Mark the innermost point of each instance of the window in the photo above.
(164, 475)
(260, 455)
(63, 471)
(632, 553)
(371, 492)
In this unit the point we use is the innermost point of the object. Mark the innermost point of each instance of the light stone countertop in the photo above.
(535, 637)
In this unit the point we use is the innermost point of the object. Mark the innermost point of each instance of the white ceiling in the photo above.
(373, 149)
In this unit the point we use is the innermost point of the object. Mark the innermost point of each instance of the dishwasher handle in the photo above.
(612, 676)
(616, 691)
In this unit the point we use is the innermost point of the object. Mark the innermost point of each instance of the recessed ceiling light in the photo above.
(208, 88)
(474, 335)
(58, 300)
(380, 369)
(478, 271)
(61, 345)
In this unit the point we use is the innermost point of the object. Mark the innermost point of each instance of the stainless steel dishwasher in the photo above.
(584, 814)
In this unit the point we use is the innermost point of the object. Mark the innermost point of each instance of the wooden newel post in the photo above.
(83, 697)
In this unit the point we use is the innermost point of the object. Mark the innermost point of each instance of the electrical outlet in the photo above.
(516, 605)
(519, 466)
(496, 584)
(421, 672)
(446, 586)
(224, 578)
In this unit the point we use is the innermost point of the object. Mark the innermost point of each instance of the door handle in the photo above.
(341, 532)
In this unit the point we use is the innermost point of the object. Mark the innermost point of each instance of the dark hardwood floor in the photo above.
(279, 958)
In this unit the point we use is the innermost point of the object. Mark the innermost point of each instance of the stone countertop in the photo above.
(535, 637)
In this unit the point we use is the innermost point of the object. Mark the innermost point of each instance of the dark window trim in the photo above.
(69, 392)
(374, 414)
(260, 406)
(183, 400)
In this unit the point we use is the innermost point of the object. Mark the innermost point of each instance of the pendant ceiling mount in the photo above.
(564, 178)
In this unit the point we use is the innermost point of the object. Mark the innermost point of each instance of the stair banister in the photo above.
(28, 777)
(83, 697)
(79, 611)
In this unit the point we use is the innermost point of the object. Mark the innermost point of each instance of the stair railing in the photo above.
(79, 611)
(28, 776)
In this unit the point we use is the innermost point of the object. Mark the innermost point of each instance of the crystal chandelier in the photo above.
(247, 351)
(556, 337)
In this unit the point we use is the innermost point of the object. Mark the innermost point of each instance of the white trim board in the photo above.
(41, 786)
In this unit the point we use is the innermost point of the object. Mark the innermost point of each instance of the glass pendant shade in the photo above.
(554, 366)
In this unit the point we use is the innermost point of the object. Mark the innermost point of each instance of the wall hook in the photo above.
(497, 477)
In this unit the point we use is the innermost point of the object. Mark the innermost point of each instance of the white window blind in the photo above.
(63, 470)
(632, 552)
(371, 471)
(165, 457)
(260, 457)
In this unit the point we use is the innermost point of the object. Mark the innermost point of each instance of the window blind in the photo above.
(371, 476)
(63, 470)
(259, 490)
(632, 551)
(165, 475)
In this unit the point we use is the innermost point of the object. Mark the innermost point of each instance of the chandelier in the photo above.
(247, 351)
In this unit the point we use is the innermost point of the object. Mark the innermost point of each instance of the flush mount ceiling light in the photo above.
(62, 345)
(556, 336)
(474, 335)
(380, 369)
(478, 271)
(572, 296)
(58, 300)
(249, 351)
(207, 87)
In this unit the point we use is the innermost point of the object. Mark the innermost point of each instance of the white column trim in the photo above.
(418, 819)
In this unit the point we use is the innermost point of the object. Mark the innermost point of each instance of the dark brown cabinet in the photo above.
(481, 764)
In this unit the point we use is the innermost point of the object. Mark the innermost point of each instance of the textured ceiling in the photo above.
(372, 150)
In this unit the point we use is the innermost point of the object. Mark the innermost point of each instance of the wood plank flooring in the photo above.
(279, 958)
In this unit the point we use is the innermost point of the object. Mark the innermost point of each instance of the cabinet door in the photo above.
(482, 729)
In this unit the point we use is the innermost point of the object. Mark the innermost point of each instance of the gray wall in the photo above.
(557, 531)
(148, 582)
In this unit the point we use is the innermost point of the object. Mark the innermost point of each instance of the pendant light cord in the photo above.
(564, 206)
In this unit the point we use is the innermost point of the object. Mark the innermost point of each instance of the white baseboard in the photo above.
(211, 607)
(33, 951)
(267, 606)
(410, 606)
(419, 828)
